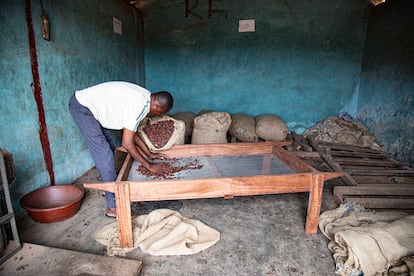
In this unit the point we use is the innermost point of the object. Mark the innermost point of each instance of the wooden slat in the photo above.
(336, 167)
(305, 154)
(291, 161)
(383, 172)
(382, 203)
(218, 187)
(124, 171)
(345, 147)
(189, 150)
(359, 154)
(303, 142)
(340, 192)
(378, 180)
(350, 168)
(390, 179)
(368, 162)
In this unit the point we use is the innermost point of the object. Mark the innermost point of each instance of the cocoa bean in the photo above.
(172, 167)
(159, 133)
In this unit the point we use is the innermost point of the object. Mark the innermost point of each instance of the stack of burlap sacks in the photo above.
(211, 127)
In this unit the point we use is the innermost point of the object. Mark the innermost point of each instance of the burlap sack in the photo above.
(243, 127)
(211, 128)
(188, 119)
(367, 243)
(270, 127)
(162, 232)
(336, 130)
(177, 137)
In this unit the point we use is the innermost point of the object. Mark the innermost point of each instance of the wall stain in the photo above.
(37, 90)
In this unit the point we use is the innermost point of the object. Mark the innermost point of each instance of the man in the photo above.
(117, 105)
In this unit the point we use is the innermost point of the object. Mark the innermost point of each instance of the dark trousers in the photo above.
(99, 143)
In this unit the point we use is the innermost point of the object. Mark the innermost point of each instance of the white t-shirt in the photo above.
(116, 104)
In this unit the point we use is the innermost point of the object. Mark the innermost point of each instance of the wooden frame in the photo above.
(304, 179)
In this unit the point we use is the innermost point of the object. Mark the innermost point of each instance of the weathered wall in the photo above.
(386, 102)
(83, 51)
(302, 63)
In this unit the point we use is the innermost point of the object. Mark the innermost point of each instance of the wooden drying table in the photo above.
(301, 178)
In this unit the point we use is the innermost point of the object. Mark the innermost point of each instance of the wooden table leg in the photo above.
(123, 214)
(314, 204)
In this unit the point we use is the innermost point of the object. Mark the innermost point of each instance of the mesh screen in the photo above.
(219, 166)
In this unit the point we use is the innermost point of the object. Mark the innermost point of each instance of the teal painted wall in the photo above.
(302, 63)
(83, 51)
(386, 102)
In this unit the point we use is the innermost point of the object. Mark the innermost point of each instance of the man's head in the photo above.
(161, 102)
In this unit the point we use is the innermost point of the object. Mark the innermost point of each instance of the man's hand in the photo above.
(156, 155)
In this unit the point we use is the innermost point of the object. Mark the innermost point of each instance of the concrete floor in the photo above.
(260, 235)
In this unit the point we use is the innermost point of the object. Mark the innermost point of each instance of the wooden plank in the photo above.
(218, 187)
(340, 192)
(292, 161)
(189, 150)
(381, 173)
(124, 171)
(368, 162)
(359, 155)
(350, 168)
(382, 203)
(303, 142)
(325, 154)
(377, 189)
(345, 147)
(336, 167)
(314, 204)
(390, 179)
(123, 215)
(305, 154)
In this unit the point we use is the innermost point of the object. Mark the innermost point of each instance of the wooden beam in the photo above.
(341, 192)
(382, 203)
(314, 204)
(123, 215)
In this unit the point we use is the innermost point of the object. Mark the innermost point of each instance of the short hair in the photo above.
(165, 99)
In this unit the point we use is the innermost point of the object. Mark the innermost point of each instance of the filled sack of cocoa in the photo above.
(270, 127)
(211, 128)
(188, 119)
(243, 128)
(161, 132)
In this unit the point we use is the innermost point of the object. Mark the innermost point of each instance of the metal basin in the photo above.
(53, 203)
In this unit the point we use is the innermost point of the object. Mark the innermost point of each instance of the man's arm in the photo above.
(144, 148)
(130, 141)
(129, 144)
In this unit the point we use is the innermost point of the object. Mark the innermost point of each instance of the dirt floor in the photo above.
(260, 235)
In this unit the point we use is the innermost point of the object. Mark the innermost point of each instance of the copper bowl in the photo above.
(53, 203)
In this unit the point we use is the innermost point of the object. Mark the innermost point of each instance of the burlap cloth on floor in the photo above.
(369, 243)
(161, 232)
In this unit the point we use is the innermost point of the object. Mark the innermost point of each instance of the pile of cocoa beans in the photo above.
(172, 166)
(159, 133)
